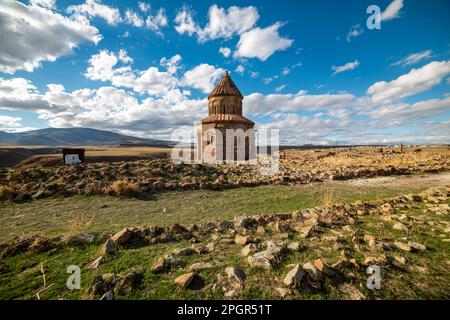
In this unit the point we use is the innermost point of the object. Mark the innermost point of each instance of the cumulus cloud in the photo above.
(184, 22)
(221, 23)
(102, 67)
(144, 6)
(20, 94)
(414, 58)
(12, 124)
(50, 4)
(261, 43)
(414, 82)
(346, 67)
(157, 22)
(392, 11)
(202, 77)
(96, 9)
(31, 34)
(240, 69)
(226, 23)
(258, 104)
(133, 18)
(225, 51)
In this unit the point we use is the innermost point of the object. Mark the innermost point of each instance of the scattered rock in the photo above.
(108, 295)
(199, 249)
(159, 266)
(97, 262)
(283, 292)
(188, 281)
(241, 240)
(402, 246)
(250, 248)
(294, 277)
(369, 240)
(127, 284)
(400, 226)
(236, 276)
(417, 247)
(200, 266)
(350, 292)
(260, 231)
(108, 247)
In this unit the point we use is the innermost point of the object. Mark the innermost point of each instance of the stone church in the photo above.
(225, 133)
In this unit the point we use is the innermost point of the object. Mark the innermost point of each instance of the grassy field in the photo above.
(425, 277)
(59, 215)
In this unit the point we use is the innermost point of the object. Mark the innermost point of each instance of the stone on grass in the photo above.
(400, 226)
(159, 266)
(294, 277)
(241, 240)
(200, 266)
(251, 247)
(402, 246)
(260, 231)
(199, 249)
(264, 259)
(350, 292)
(235, 275)
(97, 262)
(417, 247)
(108, 295)
(312, 271)
(283, 292)
(108, 247)
(188, 281)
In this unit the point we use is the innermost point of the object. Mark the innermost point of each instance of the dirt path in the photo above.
(426, 180)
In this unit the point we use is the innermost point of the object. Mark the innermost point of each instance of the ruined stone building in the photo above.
(224, 113)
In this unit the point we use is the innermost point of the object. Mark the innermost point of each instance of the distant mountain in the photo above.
(53, 137)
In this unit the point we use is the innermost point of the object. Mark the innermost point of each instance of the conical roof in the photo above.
(225, 87)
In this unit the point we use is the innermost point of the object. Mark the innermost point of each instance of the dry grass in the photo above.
(124, 188)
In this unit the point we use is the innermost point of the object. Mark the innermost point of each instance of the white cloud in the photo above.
(355, 31)
(185, 22)
(346, 67)
(202, 77)
(123, 56)
(414, 82)
(173, 64)
(401, 113)
(50, 4)
(221, 23)
(12, 124)
(152, 81)
(101, 66)
(133, 18)
(392, 11)
(240, 69)
(413, 58)
(226, 23)
(94, 9)
(20, 94)
(33, 34)
(144, 6)
(262, 43)
(280, 88)
(258, 104)
(157, 21)
(225, 51)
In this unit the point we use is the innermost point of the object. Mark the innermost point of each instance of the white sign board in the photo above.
(72, 159)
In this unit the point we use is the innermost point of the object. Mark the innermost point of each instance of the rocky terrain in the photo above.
(316, 253)
(144, 177)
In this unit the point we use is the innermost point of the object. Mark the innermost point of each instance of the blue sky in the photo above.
(311, 69)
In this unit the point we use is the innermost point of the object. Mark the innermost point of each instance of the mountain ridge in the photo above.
(54, 137)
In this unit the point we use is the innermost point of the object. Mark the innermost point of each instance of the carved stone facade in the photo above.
(225, 112)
